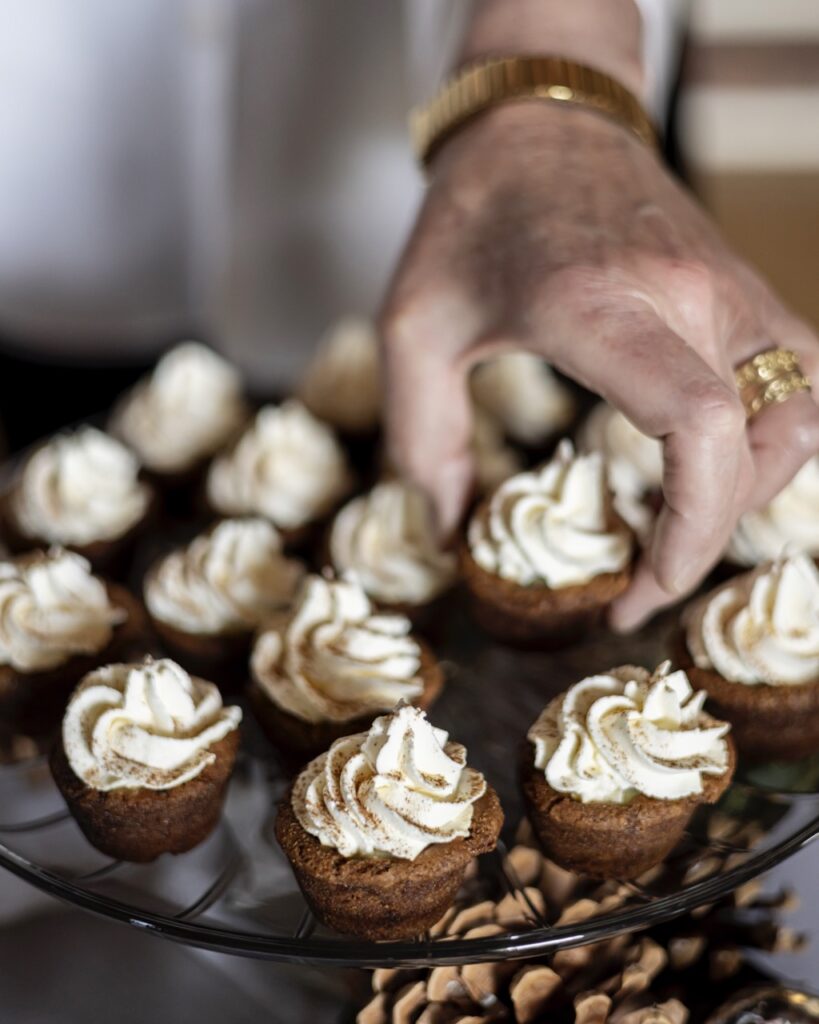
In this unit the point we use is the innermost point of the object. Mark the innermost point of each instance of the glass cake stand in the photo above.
(236, 894)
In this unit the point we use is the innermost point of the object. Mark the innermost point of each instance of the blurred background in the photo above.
(747, 130)
(239, 171)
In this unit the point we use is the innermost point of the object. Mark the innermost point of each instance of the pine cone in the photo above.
(645, 978)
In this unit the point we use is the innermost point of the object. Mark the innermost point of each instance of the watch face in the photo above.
(768, 1005)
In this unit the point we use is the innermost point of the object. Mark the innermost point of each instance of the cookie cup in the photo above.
(427, 618)
(380, 898)
(111, 557)
(608, 840)
(220, 657)
(298, 741)
(537, 616)
(768, 723)
(32, 703)
(139, 824)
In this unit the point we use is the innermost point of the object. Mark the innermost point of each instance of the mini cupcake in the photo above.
(145, 757)
(615, 767)
(545, 554)
(380, 829)
(332, 666)
(342, 386)
(57, 622)
(385, 541)
(753, 645)
(634, 462)
(182, 414)
(287, 467)
(523, 396)
(82, 491)
(788, 522)
(207, 600)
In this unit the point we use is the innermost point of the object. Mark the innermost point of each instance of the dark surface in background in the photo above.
(40, 397)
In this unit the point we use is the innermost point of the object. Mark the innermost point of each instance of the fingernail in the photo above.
(683, 581)
(451, 498)
(623, 620)
(675, 580)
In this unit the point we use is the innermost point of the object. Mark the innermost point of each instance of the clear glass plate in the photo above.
(236, 894)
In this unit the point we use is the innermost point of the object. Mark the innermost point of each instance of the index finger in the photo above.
(663, 386)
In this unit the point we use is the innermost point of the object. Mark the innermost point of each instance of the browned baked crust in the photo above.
(298, 741)
(138, 824)
(33, 702)
(767, 722)
(537, 615)
(605, 840)
(107, 557)
(384, 898)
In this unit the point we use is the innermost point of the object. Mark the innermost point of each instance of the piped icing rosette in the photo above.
(188, 408)
(392, 791)
(148, 725)
(336, 659)
(231, 579)
(385, 540)
(762, 627)
(522, 394)
(788, 522)
(624, 732)
(79, 488)
(51, 609)
(553, 525)
(342, 385)
(634, 462)
(287, 466)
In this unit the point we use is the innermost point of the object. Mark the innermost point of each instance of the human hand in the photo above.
(556, 231)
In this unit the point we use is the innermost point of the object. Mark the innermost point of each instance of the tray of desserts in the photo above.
(248, 703)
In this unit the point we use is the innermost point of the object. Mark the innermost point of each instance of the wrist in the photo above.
(539, 80)
(536, 129)
(604, 34)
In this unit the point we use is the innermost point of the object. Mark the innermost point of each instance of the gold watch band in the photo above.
(484, 84)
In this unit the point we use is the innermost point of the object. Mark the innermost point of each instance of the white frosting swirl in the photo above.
(789, 521)
(287, 466)
(184, 411)
(393, 791)
(79, 488)
(231, 579)
(552, 525)
(385, 540)
(335, 658)
(612, 736)
(762, 627)
(634, 462)
(342, 384)
(150, 726)
(520, 391)
(51, 609)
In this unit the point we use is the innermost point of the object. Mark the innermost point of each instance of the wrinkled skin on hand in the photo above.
(555, 231)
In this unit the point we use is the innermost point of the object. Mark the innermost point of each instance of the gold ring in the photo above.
(769, 378)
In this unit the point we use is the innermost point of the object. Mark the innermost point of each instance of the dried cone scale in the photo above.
(645, 978)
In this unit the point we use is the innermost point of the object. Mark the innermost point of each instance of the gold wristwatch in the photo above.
(486, 83)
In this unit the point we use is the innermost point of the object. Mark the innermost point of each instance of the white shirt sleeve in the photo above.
(664, 23)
